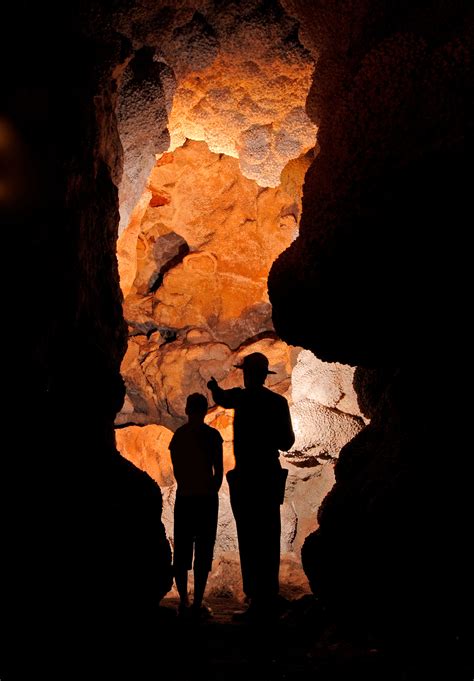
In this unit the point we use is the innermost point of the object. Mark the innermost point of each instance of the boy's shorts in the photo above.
(195, 525)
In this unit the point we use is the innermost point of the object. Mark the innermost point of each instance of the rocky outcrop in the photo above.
(233, 229)
(392, 101)
(362, 538)
(196, 301)
(371, 87)
(142, 116)
(330, 384)
(320, 432)
(84, 522)
(159, 378)
(237, 79)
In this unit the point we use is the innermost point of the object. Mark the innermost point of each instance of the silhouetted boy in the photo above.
(196, 455)
(262, 427)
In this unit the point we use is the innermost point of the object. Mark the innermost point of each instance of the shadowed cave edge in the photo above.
(384, 203)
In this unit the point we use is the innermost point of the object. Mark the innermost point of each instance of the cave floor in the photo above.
(219, 649)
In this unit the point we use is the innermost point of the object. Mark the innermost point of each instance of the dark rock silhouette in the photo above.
(392, 95)
(393, 98)
(85, 550)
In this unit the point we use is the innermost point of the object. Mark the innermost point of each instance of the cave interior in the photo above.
(193, 180)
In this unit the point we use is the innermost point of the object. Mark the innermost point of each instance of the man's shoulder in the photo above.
(275, 397)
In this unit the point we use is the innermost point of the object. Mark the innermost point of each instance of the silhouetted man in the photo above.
(196, 455)
(262, 427)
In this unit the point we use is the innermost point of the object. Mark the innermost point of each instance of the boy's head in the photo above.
(196, 406)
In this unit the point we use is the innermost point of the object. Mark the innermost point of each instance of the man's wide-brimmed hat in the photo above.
(256, 361)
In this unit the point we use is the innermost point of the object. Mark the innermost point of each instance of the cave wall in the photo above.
(325, 419)
(80, 523)
(392, 98)
(195, 301)
(233, 75)
(392, 79)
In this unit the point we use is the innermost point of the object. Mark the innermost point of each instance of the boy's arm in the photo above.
(172, 451)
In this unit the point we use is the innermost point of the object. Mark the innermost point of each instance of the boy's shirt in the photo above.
(196, 451)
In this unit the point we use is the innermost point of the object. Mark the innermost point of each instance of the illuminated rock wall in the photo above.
(224, 228)
(204, 240)
(235, 77)
(392, 98)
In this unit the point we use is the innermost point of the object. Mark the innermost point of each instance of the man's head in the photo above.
(255, 368)
(196, 406)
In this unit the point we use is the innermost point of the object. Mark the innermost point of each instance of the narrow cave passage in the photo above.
(222, 200)
(87, 113)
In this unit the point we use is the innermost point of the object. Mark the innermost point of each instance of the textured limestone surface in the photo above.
(174, 370)
(194, 263)
(222, 232)
(147, 448)
(233, 76)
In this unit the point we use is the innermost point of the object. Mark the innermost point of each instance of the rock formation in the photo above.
(391, 97)
(234, 77)
(196, 301)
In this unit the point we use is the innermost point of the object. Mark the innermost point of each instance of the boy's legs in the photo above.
(204, 546)
(200, 580)
(183, 546)
(181, 579)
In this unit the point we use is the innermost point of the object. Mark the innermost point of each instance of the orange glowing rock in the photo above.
(147, 448)
(217, 211)
(159, 200)
(234, 230)
(247, 106)
(223, 420)
(127, 244)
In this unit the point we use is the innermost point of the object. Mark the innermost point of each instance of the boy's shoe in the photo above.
(184, 610)
(256, 613)
(244, 616)
(203, 612)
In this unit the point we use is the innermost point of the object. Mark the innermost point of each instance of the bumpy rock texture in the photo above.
(196, 303)
(158, 381)
(233, 230)
(84, 523)
(146, 88)
(392, 98)
(235, 77)
(216, 211)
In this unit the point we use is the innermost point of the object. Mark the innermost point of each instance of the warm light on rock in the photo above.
(236, 79)
(217, 209)
(252, 109)
(147, 448)
(160, 375)
(127, 244)
(233, 229)
(205, 238)
(328, 383)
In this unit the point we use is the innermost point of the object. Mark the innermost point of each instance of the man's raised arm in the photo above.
(224, 398)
